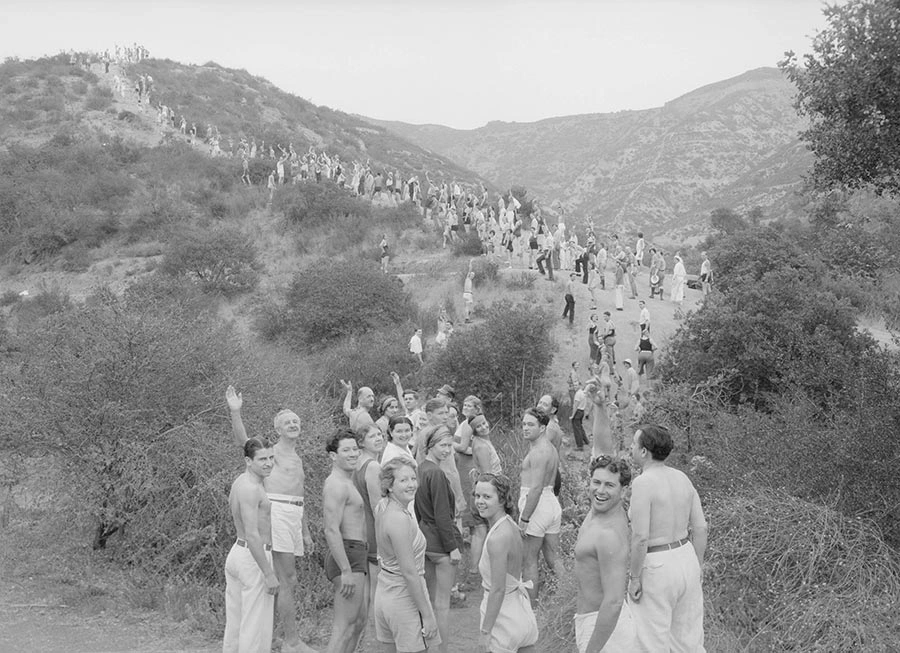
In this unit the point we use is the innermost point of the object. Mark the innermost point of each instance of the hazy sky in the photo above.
(460, 64)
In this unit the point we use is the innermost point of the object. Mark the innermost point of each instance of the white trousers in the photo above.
(249, 608)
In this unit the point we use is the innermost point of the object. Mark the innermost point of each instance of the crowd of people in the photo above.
(418, 487)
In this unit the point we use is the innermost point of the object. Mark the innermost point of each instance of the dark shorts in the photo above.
(357, 553)
(454, 227)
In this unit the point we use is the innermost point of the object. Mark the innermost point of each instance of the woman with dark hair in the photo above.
(367, 479)
(507, 620)
(436, 511)
(486, 461)
(388, 408)
(404, 617)
(399, 436)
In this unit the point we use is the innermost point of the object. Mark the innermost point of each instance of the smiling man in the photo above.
(604, 621)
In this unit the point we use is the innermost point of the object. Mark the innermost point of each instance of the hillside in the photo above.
(733, 143)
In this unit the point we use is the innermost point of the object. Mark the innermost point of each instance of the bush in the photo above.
(221, 259)
(99, 99)
(509, 351)
(333, 299)
(467, 244)
(308, 203)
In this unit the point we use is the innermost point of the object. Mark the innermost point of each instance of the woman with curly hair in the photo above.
(508, 624)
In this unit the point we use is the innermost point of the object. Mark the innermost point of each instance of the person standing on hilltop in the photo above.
(288, 532)
(639, 249)
(679, 276)
(668, 542)
(385, 256)
(569, 310)
(705, 273)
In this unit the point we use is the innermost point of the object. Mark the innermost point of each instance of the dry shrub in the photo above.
(784, 574)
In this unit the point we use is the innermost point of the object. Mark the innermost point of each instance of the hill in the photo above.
(733, 143)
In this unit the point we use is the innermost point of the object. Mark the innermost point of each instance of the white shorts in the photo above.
(622, 640)
(468, 298)
(287, 524)
(547, 517)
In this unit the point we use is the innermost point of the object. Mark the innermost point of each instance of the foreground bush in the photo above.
(509, 351)
(333, 299)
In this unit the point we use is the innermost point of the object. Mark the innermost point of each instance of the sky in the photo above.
(459, 64)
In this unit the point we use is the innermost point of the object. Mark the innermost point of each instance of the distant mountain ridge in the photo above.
(732, 143)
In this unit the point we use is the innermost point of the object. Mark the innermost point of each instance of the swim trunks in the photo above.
(287, 523)
(357, 554)
(547, 517)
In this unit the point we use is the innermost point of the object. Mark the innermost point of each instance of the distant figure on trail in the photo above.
(668, 543)
(245, 163)
(705, 273)
(679, 277)
(603, 619)
(290, 536)
(271, 186)
(250, 580)
(468, 297)
(385, 256)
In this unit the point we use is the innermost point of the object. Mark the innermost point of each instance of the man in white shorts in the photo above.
(284, 489)
(540, 515)
(603, 621)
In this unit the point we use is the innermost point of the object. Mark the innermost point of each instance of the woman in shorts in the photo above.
(435, 506)
(508, 624)
(404, 618)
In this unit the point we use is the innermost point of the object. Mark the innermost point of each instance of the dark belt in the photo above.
(293, 502)
(243, 543)
(667, 547)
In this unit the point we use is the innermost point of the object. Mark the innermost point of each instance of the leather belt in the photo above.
(667, 547)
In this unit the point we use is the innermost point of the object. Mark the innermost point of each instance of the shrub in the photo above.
(485, 270)
(510, 350)
(467, 244)
(332, 299)
(220, 259)
(99, 99)
(9, 297)
(309, 204)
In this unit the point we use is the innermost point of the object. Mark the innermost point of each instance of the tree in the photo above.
(849, 87)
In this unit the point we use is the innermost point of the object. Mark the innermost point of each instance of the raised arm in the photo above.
(235, 400)
(398, 388)
(348, 398)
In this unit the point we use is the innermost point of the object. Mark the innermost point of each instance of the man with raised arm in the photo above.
(603, 621)
(289, 532)
(359, 417)
(346, 564)
(668, 537)
(540, 515)
(250, 580)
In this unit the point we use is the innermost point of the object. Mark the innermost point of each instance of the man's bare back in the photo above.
(540, 464)
(670, 495)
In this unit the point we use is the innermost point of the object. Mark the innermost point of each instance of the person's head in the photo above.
(471, 274)
(627, 362)
(410, 400)
(437, 442)
(608, 479)
(287, 424)
(365, 397)
(389, 407)
(534, 423)
(343, 448)
(371, 440)
(607, 315)
(574, 365)
(399, 480)
(400, 430)
(479, 425)
(259, 456)
(472, 406)
(419, 332)
(642, 303)
(437, 411)
(702, 254)
(493, 494)
(447, 392)
(651, 441)
(595, 318)
(640, 234)
(548, 404)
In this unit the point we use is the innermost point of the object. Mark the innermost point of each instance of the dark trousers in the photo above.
(570, 308)
(545, 257)
(578, 429)
(581, 265)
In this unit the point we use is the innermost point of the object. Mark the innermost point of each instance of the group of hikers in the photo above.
(417, 488)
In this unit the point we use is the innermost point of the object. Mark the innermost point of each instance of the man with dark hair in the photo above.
(346, 564)
(289, 532)
(540, 514)
(603, 621)
(250, 581)
(668, 536)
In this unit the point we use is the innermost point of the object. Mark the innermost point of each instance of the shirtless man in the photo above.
(250, 580)
(540, 514)
(603, 621)
(668, 536)
(365, 399)
(289, 533)
(346, 564)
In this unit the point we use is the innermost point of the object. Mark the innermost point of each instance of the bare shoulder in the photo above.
(334, 486)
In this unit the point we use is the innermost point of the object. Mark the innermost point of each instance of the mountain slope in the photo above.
(733, 143)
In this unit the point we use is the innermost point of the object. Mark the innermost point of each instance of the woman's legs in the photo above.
(442, 575)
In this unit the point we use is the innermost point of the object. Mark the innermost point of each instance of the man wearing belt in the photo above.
(668, 542)
(250, 581)
(289, 532)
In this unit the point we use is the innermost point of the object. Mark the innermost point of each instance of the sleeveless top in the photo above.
(359, 480)
(513, 584)
(389, 562)
(496, 466)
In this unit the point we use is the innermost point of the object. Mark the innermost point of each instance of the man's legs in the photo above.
(578, 429)
(286, 573)
(550, 267)
(248, 606)
(349, 615)
(540, 262)
(550, 548)
(530, 551)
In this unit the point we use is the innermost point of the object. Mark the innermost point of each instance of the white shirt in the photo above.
(415, 344)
